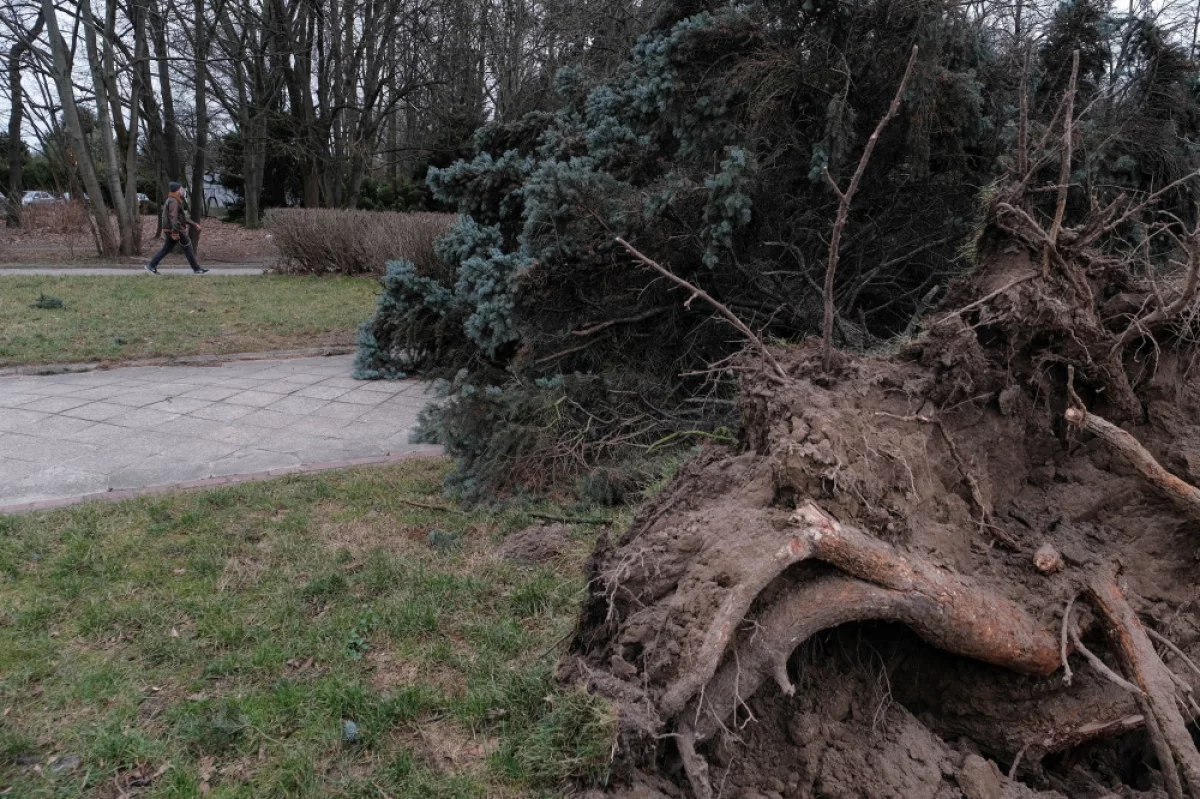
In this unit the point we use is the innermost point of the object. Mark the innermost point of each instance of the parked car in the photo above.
(67, 197)
(38, 198)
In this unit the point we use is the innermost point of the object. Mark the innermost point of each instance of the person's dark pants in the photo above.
(169, 244)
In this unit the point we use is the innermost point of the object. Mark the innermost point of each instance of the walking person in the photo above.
(175, 230)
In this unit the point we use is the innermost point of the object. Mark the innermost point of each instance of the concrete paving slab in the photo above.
(129, 430)
(17, 400)
(60, 428)
(96, 411)
(321, 392)
(179, 405)
(55, 404)
(346, 411)
(52, 482)
(301, 406)
(255, 399)
(21, 419)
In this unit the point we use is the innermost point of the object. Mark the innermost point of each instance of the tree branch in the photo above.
(843, 212)
(1064, 172)
(779, 375)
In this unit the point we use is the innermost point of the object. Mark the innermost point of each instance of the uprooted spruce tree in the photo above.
(952, 549)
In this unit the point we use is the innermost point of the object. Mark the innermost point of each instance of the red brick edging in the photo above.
(214, 482)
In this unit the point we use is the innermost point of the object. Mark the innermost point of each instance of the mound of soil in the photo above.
(876, 594)
(538, 543)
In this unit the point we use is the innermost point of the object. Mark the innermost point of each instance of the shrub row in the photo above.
(330, 241)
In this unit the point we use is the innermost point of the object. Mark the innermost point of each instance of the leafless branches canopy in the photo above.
(345, 88)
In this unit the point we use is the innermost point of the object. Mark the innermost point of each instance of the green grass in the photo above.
(218, 643)
(140, 316)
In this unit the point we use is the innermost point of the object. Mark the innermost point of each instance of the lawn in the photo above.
(312, 636)
(140, 316)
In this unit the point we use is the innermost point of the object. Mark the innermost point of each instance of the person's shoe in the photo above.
(199, 271)
(152, 269)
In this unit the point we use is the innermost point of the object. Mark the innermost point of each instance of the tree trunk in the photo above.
(141, 54)
(170, 126)
(201, 102)
(16, 100)
(105, 128)
(106, 241)
(253, 165)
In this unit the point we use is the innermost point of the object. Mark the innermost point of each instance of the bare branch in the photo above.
(1164, 314)
(843, 212)
(779, 375)
(1064, 172)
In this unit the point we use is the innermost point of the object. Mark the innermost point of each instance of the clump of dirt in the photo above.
(538, 543)
(959, 516)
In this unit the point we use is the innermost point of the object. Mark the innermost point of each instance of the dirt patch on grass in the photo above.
(391, 672)
(538, 543)
(446, 747)
(241, 572)
(362, 536)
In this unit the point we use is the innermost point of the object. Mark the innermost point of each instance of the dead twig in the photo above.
(779, 375)
(1191, 664)
(986, 519)
(439, 508)
(843, 211)
(628, 320)
(1023, 119)
(549, 517)
(1164, 314)
(1102, 667)
(988, 297)
(1067, 676)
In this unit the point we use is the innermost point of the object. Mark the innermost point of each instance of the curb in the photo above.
(218, 482)
(37, 370)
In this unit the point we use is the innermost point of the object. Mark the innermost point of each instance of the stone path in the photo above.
(125, 271)
(76, 435)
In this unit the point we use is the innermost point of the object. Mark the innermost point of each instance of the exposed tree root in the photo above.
(1167, 726)
(1187, 495)
(945, 608)
(874, 581)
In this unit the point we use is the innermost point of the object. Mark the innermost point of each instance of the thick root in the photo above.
(877, 582)
(1147, 670)
(1179, 491)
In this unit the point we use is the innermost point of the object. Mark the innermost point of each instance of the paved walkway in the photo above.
(75, 435)
(124, 271)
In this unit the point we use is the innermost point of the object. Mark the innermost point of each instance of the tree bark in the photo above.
(16, 97)
(106, 241)
(141, 53)
(200, 46)
(104, 124)
(158, 27)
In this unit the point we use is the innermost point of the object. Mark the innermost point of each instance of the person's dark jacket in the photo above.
(175, 219)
